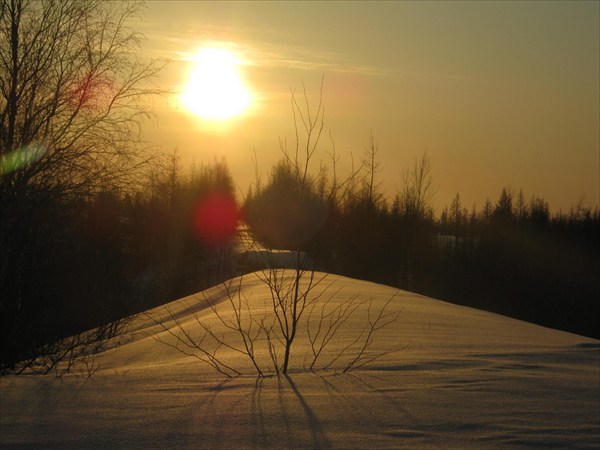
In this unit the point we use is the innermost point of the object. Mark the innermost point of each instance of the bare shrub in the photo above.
(324, 324)
(265, 333)
(286, 214)
(74, 354)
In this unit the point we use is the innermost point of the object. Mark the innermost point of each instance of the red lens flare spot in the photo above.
(215, 218)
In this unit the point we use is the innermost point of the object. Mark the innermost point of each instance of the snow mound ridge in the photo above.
(462, 378)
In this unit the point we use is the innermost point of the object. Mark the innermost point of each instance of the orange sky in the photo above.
(497, 93)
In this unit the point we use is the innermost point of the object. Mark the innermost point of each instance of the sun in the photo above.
(215, 89)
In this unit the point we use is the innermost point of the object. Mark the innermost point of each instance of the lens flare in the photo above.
(215, 218)
(21, 158)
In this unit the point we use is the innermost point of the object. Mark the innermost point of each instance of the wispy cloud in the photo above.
(181, 45)
(305, 58)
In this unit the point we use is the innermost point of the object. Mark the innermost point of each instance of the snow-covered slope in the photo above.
(460, 378)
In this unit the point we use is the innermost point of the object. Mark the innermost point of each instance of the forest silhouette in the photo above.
(94, 230)
(98, 258)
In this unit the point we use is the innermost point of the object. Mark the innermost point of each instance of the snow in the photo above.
(257, 259)
(457, 378)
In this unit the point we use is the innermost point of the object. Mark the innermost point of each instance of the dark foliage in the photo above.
(288, 212)
(512, 258)
(89, 261)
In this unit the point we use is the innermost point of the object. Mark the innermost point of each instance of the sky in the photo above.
(497, 93)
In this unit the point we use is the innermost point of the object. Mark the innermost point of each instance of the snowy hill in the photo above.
(446, 376)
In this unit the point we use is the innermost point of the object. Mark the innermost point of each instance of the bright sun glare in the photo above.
(215, 89)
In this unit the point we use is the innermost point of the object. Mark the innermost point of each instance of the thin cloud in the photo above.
(182, 45)
(304, 58)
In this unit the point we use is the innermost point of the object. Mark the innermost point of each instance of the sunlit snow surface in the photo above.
(461, 378)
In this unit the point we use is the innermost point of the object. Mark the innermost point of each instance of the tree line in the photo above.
(96, 258)
(95, 226)
(513, 256)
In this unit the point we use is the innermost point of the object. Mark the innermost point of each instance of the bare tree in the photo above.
(458, 213)
(72, 99)
(72, 93)
(312, 123)
(290, 297)
(372, 166)
(286, 214)
(418, 189)
(504, 209)
(323, 327)
(413, 203)
(255, 328)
